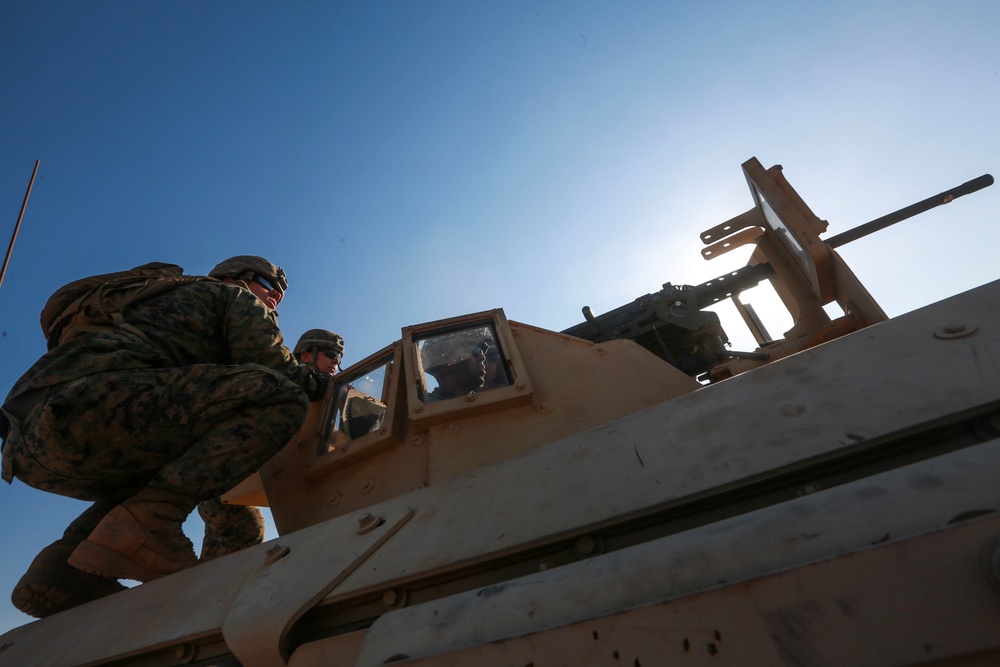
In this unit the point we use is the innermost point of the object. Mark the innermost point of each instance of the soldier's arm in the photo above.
(253, 336)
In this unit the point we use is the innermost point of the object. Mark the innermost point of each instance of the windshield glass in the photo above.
(359, 408)
(461, 362)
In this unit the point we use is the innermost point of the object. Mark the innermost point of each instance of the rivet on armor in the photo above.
(394, 598)
(808, 489)
(590, 545)
(954, 331)
(585, 545)
(275, 553)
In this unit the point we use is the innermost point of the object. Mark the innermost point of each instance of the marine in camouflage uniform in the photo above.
(231, 528)
(150, 428)
(320, 350)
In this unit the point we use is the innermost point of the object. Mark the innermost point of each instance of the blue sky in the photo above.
(410, 161)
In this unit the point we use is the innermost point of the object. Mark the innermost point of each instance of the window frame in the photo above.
(518, 392)
(388, 434)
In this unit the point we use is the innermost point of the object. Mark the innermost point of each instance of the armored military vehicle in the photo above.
(630, 491)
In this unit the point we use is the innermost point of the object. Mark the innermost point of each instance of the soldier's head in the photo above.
(266, 280)
(457, 361)
(321, 350)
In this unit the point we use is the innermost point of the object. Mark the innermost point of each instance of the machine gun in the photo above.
(804, 270)
(673, 323)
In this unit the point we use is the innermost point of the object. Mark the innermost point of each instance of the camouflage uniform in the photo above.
(229, 528)
(105, 414)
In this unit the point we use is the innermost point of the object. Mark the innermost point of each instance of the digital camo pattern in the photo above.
(229, 528)
(205, 322)
(202, 403)
(197, 431)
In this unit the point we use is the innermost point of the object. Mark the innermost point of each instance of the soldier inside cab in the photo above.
(457, 362)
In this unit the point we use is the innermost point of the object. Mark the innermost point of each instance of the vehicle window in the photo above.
(462, 362)
(359, 408)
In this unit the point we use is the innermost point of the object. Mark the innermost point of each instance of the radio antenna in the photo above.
(20, 216)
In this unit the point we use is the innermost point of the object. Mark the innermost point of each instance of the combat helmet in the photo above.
(453, 348)
(319, 339)
(245, 267)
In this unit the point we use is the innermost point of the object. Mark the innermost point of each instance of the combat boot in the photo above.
(141, 539)
(50, 585)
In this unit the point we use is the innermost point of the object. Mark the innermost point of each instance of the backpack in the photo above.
(98, 302)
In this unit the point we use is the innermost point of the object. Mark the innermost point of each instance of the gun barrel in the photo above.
(913, 209)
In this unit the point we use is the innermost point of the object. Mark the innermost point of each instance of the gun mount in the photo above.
(804, 270)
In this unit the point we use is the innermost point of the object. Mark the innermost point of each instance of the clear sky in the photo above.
(411, 161)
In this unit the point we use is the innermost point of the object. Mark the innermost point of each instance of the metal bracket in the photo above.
(312, 563)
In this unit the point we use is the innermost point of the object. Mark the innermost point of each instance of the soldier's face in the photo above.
(466, 375)
(328, 361)
(269, 297)
(322, 362)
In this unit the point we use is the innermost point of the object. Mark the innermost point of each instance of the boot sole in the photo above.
(44, 599)
(40, 600)
(50, 585)
(104, 562)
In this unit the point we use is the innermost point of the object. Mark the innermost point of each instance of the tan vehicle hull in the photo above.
(835, 506)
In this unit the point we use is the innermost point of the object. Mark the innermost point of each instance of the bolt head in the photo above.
(367, 523)
(275, 553)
